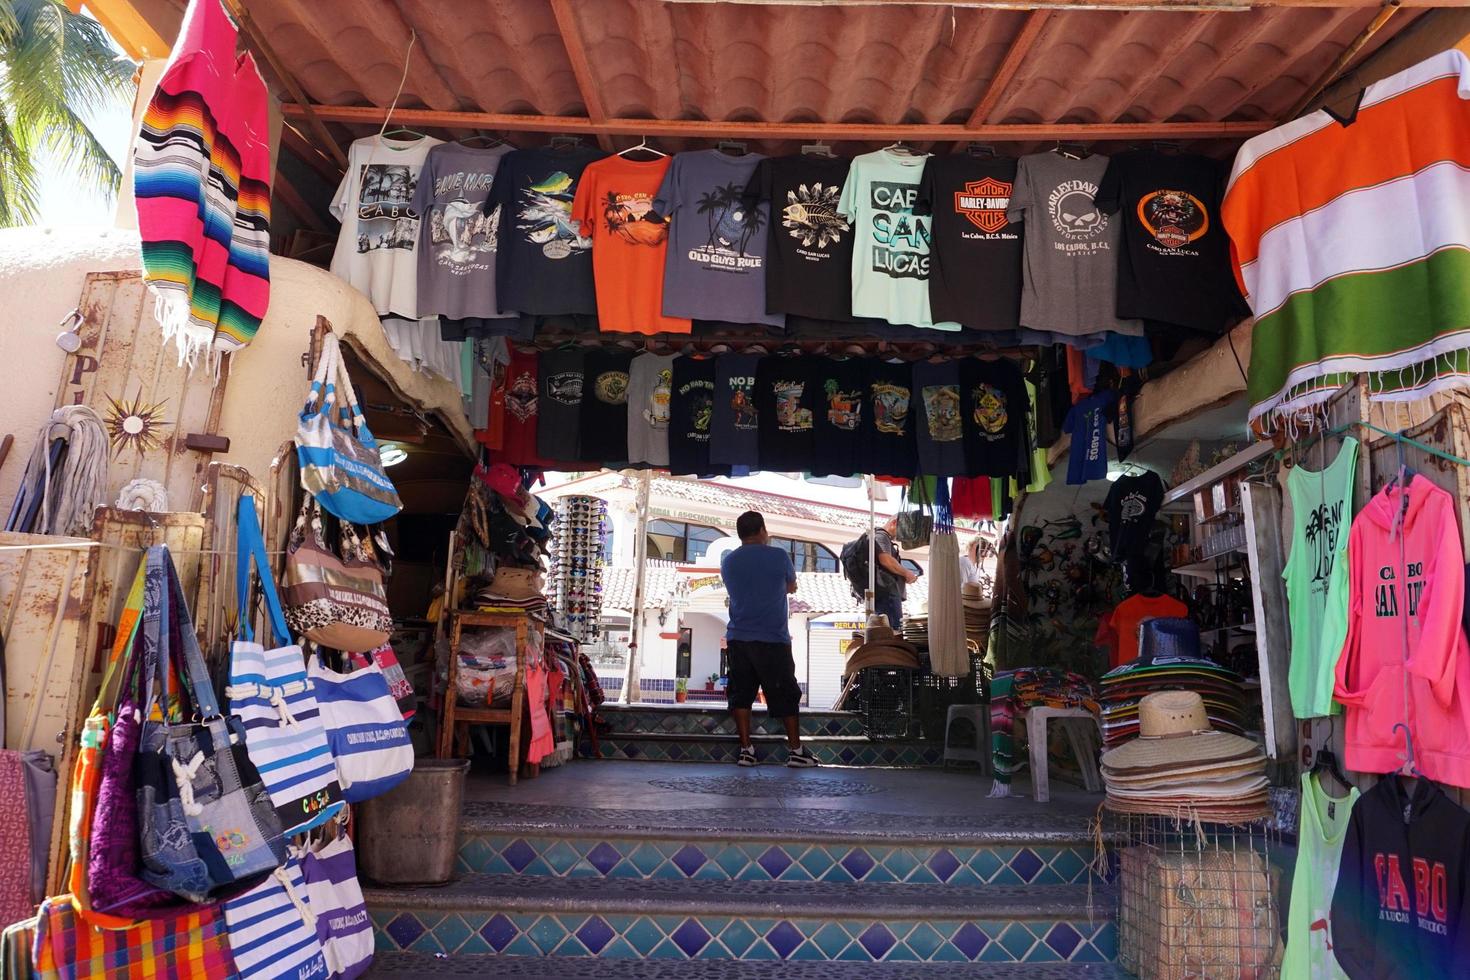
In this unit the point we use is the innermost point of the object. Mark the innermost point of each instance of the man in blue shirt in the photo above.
(758, 578)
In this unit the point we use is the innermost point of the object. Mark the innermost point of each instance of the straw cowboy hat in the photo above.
(1174, 735)
(881, 647)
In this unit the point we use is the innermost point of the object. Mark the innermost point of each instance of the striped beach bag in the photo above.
(342, 923)
(271, 696)
(273, 929)
(365, 729)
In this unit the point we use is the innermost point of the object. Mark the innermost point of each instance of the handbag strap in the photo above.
(351, 412)
(170, 619)
(122, 662)
(251, 545)
(321, 382)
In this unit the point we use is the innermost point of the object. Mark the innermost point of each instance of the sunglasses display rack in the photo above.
(576, 565)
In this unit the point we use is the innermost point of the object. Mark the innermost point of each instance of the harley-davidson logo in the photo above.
(984, 202)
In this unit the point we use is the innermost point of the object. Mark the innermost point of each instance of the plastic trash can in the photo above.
(410, 834)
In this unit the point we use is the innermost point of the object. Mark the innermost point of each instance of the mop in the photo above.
(65, 477)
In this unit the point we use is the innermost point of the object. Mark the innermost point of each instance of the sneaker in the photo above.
(801, 758)
(747, 756)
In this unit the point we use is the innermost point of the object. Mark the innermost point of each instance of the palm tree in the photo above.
(56, 67)
(709, 205)
(755, 221)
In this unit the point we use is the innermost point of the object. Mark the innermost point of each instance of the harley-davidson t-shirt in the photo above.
(975, 266)
(604, 433)
(786, 405)
(614, 207)
(735, 440)
(691, 414)
(1175, 263)
(809, 258)
(544, 263)
(650, 386)
(891, 244)
(837, 434)
(560, 405)
(1071, 272)
(890, 420)
(941, 429)
(715, 266)
(993, 394)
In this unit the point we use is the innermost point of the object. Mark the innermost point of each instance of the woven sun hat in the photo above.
(970, 595)
(1168, 638)
(1174, 733)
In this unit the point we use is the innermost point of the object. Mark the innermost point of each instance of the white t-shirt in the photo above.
(377, 249)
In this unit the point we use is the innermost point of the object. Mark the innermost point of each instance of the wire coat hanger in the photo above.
(642, 145)
(413, 37)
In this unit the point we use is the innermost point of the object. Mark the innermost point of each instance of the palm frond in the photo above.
(72, 141)
(19, 194)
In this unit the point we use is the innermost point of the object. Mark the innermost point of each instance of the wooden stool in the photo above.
(1082, 731)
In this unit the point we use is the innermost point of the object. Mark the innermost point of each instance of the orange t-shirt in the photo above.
(614, 204)
(1131, 612)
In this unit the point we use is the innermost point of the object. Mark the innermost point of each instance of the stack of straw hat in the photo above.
(1181, 767)
(881, 646)
(977, 614)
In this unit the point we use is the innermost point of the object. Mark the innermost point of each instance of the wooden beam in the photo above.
(1021, 46)
(1158, 5)
(714, 129)
(1340, 63)
(310, 154)
(130, 29)
(571, 39)
(259, 42)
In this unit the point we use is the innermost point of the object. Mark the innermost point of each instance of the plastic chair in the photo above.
(977, 716)
(1084, 736)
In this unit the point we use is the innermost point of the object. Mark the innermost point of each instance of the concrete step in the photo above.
(413, 966)
(748, 920)
(692, 719)
(842, 750)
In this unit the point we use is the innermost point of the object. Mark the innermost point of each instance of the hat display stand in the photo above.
(576, 565)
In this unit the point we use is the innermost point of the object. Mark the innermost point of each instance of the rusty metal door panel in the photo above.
(148, 401)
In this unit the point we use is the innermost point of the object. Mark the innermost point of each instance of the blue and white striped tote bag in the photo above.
(271, 696)
(273, 931)
(365, 729)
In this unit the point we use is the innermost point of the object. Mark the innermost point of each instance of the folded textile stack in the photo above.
(1124, 687)
(512, 590)
(977, 615)
(1180, 767)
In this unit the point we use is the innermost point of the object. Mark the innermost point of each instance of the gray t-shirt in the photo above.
(715, 266)
(456, 239)
(1070, 284)
(649, 378)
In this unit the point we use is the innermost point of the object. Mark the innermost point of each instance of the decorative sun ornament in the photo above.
(135, 425)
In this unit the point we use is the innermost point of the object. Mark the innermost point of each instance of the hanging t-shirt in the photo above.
(457, 240)
(1040, 466)
(890, 257)
(603, 437)
(1316, 579)
(650, 384)
(1174, 266)
(614, 207)
(562, 386)
(735, 438)
(809, 257)
(691, 413)
(520, 403)
(975, 267)
(377, 248)
(891, 420)
(1320, 833)
(837, 425)
(786, 405)
(941, 425)
(715, 266)
(993, 400)
(1133, 503)
(1071, 272)
(544, 263)
(1088, 459)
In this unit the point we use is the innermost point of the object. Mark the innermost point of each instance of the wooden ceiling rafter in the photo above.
(571, 39)
(1341, 62)
(1015, 56)
(283, 190)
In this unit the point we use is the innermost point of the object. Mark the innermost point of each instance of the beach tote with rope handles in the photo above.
(273, 929)
(338, 456)
(271, 696)
(365, 729)
(207, 822)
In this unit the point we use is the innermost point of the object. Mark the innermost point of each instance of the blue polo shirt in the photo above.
(756, 576)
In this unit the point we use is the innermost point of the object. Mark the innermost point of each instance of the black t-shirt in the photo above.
(890, 420)
(975, 259)
(1133, 503)
(543, 263)
(837, 428)
(787, 404)
(1174, 266)
(993, 396)
(941, 418)
(809, 265)
(604, 432)
(559, 426)
(691, 413)
(735, 438)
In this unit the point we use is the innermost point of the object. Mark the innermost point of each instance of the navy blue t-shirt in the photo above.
(756, 576)
(1089, 455)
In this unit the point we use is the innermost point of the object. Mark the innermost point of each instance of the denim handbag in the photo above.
(207, 824)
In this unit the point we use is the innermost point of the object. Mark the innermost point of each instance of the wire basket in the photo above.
(1197, 900)
(934, 693)
(887, 699)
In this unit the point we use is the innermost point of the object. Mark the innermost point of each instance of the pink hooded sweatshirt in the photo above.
(1405, 658)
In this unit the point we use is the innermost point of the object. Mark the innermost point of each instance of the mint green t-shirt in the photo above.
(1324, 822)
(890, 253)
(1316, 579)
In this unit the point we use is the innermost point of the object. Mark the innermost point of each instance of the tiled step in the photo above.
(413, 966)
(848, 750)
(715, 720)
(748, 920)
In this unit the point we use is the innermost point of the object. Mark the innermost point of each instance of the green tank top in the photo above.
(1324, 823)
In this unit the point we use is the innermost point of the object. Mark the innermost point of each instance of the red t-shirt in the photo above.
(518, 413)
(1120, 630)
